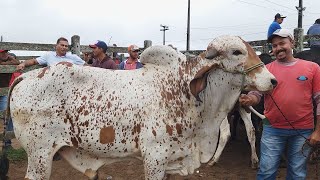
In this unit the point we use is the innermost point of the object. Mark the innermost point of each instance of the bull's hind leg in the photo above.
(82, 161)
(246, 117)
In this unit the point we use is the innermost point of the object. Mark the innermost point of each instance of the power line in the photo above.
(280, 5)
(260, 5)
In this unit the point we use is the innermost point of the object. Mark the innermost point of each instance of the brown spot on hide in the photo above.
(86, 123)
(136, 141)
(66, 63)
(42, 72)
(109, 104)
(154, 132)
(180, 158)
(84, 98)
(179, 128)
(169, 130)
(54, 145)
(74, 142)
(99, 97)
(137, 129)
(107, 135)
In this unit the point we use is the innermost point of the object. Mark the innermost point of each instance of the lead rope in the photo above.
(315, 149)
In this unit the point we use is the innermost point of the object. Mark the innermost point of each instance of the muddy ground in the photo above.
(234, 164)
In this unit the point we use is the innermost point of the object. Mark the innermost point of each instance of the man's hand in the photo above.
(248, 100)
(21, 67)
(315, 138)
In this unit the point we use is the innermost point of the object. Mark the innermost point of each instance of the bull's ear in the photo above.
(199, 82)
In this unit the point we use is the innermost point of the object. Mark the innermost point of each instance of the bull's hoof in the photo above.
(212, 162)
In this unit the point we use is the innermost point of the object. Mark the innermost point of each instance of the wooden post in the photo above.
(147, 43)
(75, 45)
(298, 38)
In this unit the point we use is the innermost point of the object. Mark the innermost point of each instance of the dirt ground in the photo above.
(234, 164)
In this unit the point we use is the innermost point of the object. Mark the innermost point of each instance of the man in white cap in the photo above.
(278, 19)
(133, 61)
(288, 109)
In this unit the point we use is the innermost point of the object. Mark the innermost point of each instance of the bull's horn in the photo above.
(211, 53)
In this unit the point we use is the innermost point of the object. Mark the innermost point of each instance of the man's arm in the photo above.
(315, 136)
(27, 63)
(251, 99)
(11, 61)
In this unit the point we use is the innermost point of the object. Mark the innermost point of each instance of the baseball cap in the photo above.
(279, 16)
(99, 44)
(285, 33)
(133, 48)
(3, 50)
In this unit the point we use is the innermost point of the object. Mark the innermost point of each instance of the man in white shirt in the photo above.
(51, 58)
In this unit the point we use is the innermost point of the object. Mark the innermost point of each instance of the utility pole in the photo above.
(188, 28)
(300, 10)
(1, 40)
(164, 32)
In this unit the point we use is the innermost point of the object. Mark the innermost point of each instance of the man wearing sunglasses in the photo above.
(51, 58)
(132, 62)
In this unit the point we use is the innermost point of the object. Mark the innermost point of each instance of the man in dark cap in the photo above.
(278, 19)
(101, 60)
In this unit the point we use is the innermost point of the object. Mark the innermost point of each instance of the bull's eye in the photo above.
(237, 52)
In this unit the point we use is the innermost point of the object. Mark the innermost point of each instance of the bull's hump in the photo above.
(162, 56)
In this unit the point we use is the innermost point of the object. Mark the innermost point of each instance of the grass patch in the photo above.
(17, 154)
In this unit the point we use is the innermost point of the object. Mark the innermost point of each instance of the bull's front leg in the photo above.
(223, 139)
(39, 164)
(246, 117)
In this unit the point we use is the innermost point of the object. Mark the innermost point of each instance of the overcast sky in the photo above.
(126, 22)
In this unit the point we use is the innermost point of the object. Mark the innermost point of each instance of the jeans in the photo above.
(8, 124)
(273, 142)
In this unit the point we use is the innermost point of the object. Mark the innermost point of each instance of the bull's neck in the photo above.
(221, 94)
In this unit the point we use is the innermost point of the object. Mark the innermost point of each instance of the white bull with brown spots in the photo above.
(167, 113)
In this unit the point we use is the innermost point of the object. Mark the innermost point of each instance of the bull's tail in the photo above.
(15, 82)
(257, 113)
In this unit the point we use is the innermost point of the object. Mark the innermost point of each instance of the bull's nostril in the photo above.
(274, 82)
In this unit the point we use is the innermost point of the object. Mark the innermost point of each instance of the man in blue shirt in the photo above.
(314, 30)
(278, 19)
(51, 58)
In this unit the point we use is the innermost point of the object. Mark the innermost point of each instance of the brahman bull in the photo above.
(167, 113)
